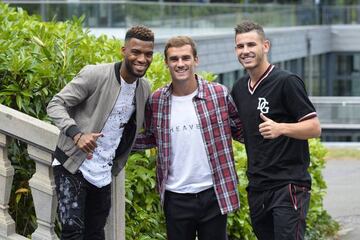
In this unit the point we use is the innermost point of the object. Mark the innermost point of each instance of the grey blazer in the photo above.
(84, 105)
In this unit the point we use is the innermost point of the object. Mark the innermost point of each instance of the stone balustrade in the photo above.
(41, 138)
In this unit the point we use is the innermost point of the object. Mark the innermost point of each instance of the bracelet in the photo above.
(81, 134)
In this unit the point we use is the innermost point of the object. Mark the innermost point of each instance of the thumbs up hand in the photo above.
(87, 142)
(269, 129)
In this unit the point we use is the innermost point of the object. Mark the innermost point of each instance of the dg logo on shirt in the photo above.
(263, 105)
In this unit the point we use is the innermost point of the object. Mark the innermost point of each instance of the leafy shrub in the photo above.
(144, 218)
(38, 58)
(21, 200)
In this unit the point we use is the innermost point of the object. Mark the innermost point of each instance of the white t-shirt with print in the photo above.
(97, 170)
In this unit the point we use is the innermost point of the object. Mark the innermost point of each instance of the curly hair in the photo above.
(180, 41)
(248, 26)
(140, 32)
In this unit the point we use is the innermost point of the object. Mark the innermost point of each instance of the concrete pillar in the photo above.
(115, 226)
(7, 224)
(43, 193)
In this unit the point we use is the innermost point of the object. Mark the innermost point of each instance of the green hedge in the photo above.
(38, 58)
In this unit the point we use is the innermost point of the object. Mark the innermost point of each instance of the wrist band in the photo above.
(78, 138)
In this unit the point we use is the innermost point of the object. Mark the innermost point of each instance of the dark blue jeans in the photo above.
(189, 215)
(82, 207)
(279, 214)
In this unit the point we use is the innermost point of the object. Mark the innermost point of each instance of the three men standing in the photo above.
(191, 122)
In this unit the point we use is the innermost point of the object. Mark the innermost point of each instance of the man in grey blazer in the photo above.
(99, 114)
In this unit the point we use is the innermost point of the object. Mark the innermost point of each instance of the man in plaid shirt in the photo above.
(191, 122)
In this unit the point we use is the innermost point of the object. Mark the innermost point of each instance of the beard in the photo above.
(131, 71)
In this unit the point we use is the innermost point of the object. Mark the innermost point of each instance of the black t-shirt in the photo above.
(282, 97)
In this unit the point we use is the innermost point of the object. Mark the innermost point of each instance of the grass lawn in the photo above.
(339, 153)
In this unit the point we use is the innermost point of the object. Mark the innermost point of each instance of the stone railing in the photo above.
(41, 138)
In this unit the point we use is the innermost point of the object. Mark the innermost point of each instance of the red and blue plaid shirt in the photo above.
(219, 122)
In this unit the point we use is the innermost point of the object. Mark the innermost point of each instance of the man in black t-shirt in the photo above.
(278, 118)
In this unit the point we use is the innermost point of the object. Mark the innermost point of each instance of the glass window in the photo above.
(342, 87)
(343, 64)
(346, 81)
(356, 63)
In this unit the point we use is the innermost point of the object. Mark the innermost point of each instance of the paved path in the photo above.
(343, 196)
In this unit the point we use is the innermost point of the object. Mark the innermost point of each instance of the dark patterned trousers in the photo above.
(82, 207)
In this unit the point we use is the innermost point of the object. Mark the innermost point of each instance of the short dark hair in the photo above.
(248, 26)
(180, 41)
(140, 32)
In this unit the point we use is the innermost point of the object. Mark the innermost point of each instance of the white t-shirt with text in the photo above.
(189, 170)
